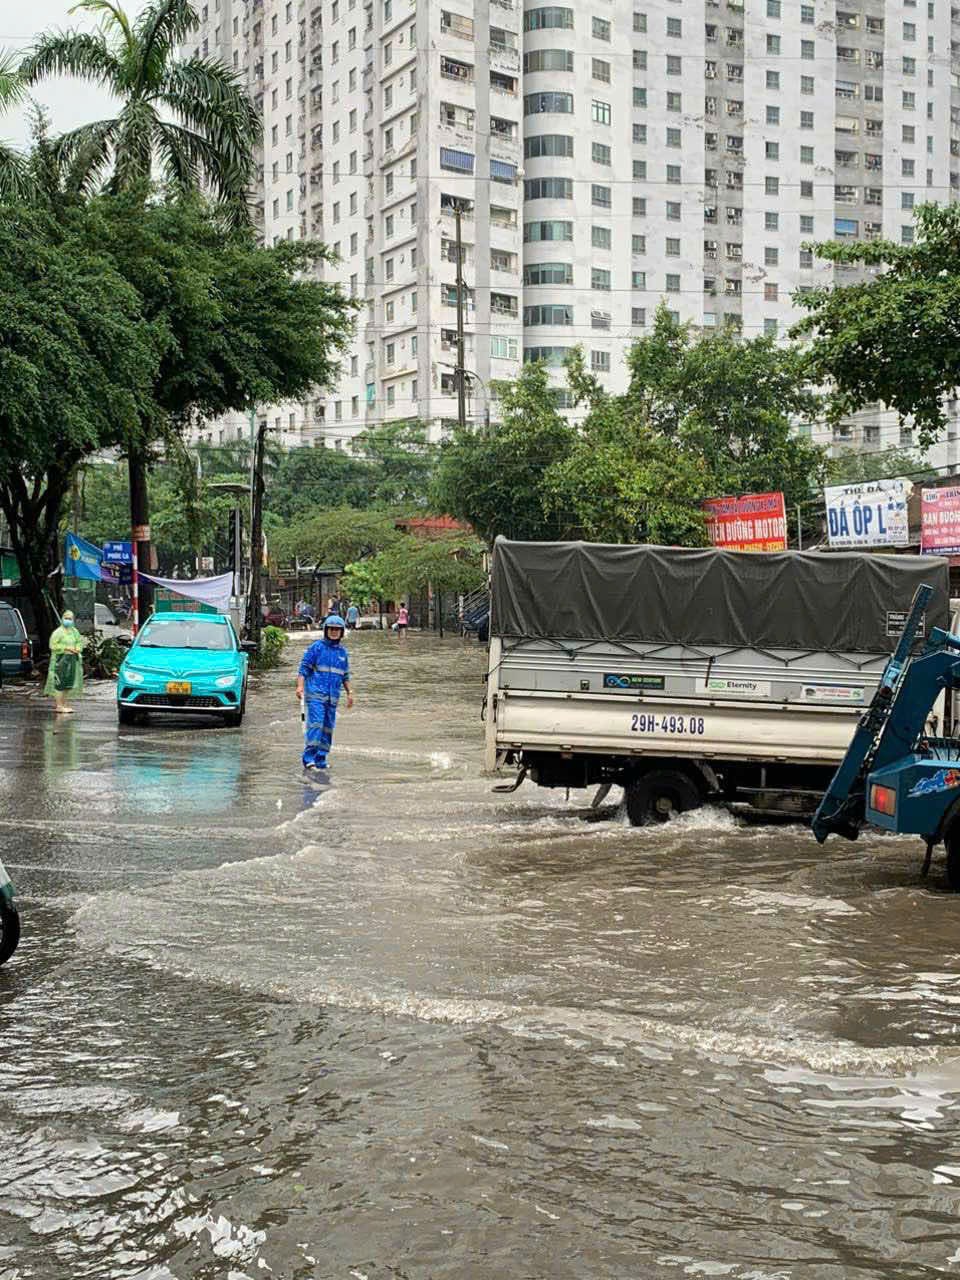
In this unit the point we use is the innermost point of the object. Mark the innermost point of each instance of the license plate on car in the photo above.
(179, 686)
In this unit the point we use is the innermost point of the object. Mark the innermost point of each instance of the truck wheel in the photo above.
(9, 932)
(659, 796)
(953, 858)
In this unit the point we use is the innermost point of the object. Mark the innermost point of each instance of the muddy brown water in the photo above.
(406, 1027)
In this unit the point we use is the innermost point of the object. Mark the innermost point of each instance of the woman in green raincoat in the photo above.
(65, 676)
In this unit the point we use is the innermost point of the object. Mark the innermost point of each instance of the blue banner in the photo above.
(81, 558)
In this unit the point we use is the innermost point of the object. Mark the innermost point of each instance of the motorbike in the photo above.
(9, 918)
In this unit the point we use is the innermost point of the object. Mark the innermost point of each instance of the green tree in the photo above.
(308, 481)
(336, 537)
(448, 565)
(855, 467)
(77, 368)
(401, 463)
(190, 119)
(496, 482)
(361, 582)
(891, 338)
(13, 168)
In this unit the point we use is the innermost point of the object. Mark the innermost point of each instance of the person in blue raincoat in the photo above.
(324, 673)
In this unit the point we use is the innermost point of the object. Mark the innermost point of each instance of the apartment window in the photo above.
(552, 273)
(390, 351)
(674, 65)
(335, 51)
(673, 246)
(639, 97)
(909, 66)
(807, 85)
(503, 171)
(455, 24)
(806, 14)
(276, 208)
(806, 119)
(388, 139)
(673, 210)
(548, 230)
(909, 31)
(388, 97)
(806, 190)
(806, 155)
(673, 174)
(274, 135)
(548, 144)
(600, 361)
(806, 49)
(288, 51)
(548, 189)
(599, 111)
(769, 327)
(638, 317)
(806, 224)
(338, 410)
(600, 28)
(772, 150)
(638, 244)
(806, 259)
(846, 228)
(600, 196)
(548, 60)
(601, 70)
(600, 153)
(906, 235)
(873, 92)
(538, 103)
(639, 22)
(773, 45)
(288, 126)
(548, 19)
(909, 100)
(639, 59)
(906, 199)
(675, 28)
(600, 278)
(639, 206)
(551, 313)
(908, 168)
(388, 224)
(638, 279)
(289, 201)
(674, 101)
(773, 115)
(673, 137)
(773, 8)
(600, 237)
(771, 220)
(770, 292)
(502, 348)
(672, 283)
(908, 133)
(771, 256)
(771, 186)
(773, 80)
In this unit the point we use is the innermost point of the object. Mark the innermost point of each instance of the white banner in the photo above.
(214, 591)
(868, 515)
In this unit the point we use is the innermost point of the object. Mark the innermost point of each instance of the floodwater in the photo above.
(406, 1027)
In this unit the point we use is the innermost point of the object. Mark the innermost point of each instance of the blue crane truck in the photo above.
(895, 774)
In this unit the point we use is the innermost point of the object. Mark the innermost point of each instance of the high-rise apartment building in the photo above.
(605, 157)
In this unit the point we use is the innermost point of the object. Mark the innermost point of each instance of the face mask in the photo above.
(68, 622)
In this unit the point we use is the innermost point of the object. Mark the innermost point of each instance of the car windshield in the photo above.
(183, 633)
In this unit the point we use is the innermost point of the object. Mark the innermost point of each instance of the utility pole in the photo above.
(140, 524)
(254, 614)
(461, 371)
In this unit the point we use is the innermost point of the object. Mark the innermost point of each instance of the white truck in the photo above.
(689, 675)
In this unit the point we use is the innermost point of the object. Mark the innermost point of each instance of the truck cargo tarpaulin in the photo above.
(801, 600)
(868, 515)
(751, 522)
(940, 522)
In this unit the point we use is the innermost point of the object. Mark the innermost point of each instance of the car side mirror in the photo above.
(249, 646)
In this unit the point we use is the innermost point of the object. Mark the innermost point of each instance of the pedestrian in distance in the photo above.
(353, 617)
(65, 673)
(324, 673)
(403, 620)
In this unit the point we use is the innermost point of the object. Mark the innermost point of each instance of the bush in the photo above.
(272, 641)
(102, 657)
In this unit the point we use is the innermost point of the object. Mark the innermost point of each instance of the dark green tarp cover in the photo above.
(807, 600)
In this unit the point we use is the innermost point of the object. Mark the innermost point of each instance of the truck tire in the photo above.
(660, 795)
(9, 931)
(952, 842)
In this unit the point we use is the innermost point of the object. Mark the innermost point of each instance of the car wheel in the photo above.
(126, 715)
(234, 719)
(9, 931)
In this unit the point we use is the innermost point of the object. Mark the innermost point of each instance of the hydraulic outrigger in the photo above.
(895, 775)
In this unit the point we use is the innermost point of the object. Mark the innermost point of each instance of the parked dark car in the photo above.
(16, 651)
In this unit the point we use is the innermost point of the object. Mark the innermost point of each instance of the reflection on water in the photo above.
(402, 1026)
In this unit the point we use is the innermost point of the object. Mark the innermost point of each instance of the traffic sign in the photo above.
(118, 553)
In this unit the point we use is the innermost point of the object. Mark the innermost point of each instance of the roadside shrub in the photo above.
(272, 641)
(101, 657)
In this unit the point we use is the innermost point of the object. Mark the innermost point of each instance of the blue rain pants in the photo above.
(321, 711)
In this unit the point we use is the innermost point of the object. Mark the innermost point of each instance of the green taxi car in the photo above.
(184, 663)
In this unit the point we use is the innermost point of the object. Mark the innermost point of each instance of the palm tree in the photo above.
(188, 121)
(13, 173)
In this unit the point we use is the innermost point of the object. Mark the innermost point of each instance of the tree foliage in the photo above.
(308, 481)
(703, 416)
(189, 120)
(336, 537)
(895, 336)
(400, 461)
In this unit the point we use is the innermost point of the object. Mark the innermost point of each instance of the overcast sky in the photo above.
(69, 101)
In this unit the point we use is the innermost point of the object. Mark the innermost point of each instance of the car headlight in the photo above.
(224, 682)
(133, 677)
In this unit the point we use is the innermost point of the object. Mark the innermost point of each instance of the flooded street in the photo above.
(407, 1027)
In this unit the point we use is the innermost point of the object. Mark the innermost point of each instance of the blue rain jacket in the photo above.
(324, 668)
